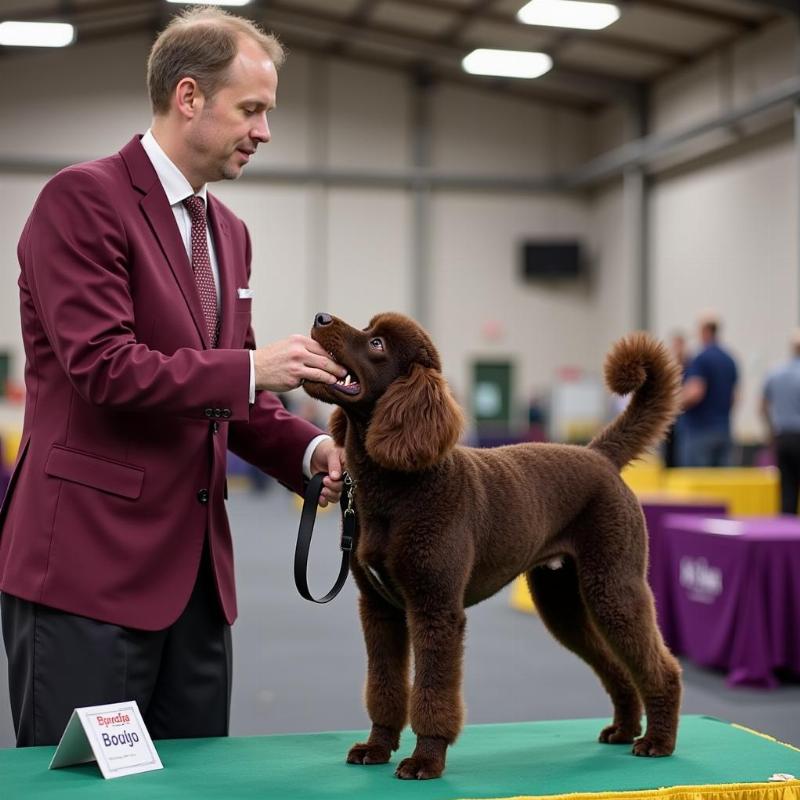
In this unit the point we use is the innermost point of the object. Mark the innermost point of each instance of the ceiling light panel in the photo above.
(569, 14)
(36, 34)
(507, 63)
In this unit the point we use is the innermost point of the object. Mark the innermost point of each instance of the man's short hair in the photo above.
(710, 321)
(201, 43)
(795, 341)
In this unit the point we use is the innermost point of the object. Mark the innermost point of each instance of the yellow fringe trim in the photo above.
(764, 736)
(788, 790)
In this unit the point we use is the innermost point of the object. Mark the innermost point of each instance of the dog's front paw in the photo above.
(366, 753)
(420, 769)
(653, 746)
(617, 733)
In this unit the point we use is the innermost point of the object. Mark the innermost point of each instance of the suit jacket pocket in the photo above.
(98, 472)
(241, 320)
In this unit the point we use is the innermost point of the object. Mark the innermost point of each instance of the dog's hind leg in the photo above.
(621, 605)
(437, 709)
(386, 637)
(562, 609)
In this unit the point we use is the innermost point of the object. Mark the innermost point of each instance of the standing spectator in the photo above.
(677, 346)
(780, 405)
(709, 392)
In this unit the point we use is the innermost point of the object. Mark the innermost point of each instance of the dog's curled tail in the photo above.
(640, 364)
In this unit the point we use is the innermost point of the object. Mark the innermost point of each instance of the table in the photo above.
(734, 594)
(533, 759)
(656, 507)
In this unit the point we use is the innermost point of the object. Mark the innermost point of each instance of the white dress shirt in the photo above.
(177, 189)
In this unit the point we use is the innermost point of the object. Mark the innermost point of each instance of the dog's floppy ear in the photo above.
(415, 423)
(337, 425)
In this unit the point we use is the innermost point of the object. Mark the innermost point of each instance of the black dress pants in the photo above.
(180, 677)
(787, 451)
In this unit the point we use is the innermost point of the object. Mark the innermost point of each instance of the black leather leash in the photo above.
(307, 518)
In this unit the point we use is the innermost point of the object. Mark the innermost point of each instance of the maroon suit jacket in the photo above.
(129, 414)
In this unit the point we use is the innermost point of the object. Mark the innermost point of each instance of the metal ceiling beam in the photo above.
(155, 21)
(701, 14)
(465, 17)
(25, 13)
(358, 18)
(785, 6)
(644, 150)
(426, 47)
(536, 92)
(509, 20)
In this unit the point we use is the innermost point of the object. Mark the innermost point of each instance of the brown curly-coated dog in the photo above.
(442, 527)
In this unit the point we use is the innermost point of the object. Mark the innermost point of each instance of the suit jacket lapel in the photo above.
(223, 248)
(159, 214)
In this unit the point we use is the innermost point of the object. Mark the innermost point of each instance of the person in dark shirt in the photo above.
(780, 405)
(671, 451)
(709, 393)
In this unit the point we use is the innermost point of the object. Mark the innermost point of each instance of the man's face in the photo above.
(232, 123)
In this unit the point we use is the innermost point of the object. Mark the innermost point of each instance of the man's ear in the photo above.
(187, 95)
(337, 425)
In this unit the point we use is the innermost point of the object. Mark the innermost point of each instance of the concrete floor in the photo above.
(300, 666)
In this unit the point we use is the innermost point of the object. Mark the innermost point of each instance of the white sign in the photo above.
(114, 735)
(702, 581)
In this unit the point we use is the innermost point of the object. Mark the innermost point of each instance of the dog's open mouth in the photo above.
(349, 384)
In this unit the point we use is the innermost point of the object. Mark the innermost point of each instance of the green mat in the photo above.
(488, 761)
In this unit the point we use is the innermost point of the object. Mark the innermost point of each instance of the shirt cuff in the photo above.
(312, 446)
(252, 376)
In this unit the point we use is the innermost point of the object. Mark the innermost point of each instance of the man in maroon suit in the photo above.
(116, 564)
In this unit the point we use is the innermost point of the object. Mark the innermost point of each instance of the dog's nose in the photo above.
(322, 319)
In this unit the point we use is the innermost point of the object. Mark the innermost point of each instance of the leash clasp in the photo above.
(351, 490)
(349, 516)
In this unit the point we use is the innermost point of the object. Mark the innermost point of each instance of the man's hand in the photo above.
(284, 365)
(327, 457)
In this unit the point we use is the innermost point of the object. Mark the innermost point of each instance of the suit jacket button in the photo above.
(226, 412)
(202, 496)
(209, 412)
(217, 412)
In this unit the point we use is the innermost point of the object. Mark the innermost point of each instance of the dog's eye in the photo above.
(376, 344)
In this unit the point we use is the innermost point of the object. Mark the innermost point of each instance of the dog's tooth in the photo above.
(347, 379)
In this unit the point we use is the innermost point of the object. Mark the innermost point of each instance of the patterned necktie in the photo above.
(201, 266)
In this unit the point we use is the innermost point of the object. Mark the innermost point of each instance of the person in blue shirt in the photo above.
(780, 405)
(709, 394)
(671, 447)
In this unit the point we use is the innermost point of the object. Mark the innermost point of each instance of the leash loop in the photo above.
(307, 518)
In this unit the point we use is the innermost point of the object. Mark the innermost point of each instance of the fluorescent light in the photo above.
(211, 2)
(569, 14)
(507, 63)
(36, 34)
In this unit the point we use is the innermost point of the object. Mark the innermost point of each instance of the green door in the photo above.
(491, 394)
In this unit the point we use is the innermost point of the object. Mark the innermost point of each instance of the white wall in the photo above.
(725, 232)
(725, 237)
(724, 227)
(345, 250)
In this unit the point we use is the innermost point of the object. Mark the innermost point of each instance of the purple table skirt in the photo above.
(735, 594)
(656, 509)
